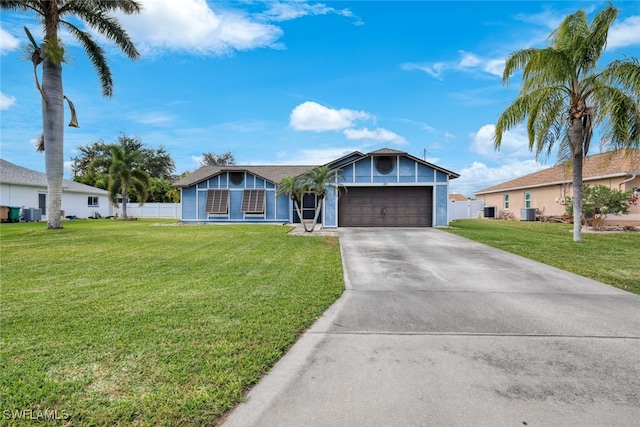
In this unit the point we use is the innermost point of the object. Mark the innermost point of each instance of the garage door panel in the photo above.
(386, 207)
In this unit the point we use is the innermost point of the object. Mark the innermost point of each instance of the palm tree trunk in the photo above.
(577, 197)
(124, 202)
(53, 129)
(299, 212)
(315, 216)
(577, 150)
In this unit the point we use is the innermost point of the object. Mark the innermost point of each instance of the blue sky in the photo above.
(297, 82)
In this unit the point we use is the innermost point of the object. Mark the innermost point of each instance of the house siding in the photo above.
(194, 200)
(73, 204)
(618, 170)
(441, 205)
(549, 199)
(22, 187)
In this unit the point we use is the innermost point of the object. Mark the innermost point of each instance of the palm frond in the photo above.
(74, 119)
(95, 15)
(96, 56)
(625, 73)
(516, 61)
(19, 5)
(510, 117)
(620, 114)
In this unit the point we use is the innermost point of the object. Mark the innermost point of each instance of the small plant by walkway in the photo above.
(610, 258)
(126, 323)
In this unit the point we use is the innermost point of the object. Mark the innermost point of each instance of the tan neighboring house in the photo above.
(543, 193)
(458, 197)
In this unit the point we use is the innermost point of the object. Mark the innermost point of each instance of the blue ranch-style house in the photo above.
(384, 188)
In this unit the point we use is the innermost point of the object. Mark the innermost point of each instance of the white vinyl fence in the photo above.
(153, 210)
(465, 210)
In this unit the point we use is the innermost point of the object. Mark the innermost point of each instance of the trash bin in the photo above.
(4, 213)
(14, 214)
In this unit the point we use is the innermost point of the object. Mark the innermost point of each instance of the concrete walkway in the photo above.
(437, 330)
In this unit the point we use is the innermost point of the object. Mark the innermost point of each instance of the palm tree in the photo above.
(123, 176)
(53, 15)
(565, 96)
(317, 181)
(292, 187)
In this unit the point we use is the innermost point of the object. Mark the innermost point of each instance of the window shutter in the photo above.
(217, 202)
(253, 201)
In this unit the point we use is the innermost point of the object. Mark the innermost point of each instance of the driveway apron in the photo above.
(436, 330)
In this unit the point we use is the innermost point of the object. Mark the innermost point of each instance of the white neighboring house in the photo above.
(27, 189)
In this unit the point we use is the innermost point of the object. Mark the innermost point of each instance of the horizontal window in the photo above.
(92, 201)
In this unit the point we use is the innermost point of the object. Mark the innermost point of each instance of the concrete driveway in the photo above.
(437, 330)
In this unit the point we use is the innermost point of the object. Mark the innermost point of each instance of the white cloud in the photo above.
(6, 101)
(625, 33)
(434, 70)
(312, 116)
(479, 176)
(378, 135)
(515, 142)
(494, 66)
(7, 42)
(191, 25)
(152, 118)
(468, 62)
(285, 11)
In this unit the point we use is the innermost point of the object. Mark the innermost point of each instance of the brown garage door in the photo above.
(386, 207)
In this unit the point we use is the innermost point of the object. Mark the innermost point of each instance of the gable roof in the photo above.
(271, 173)
(275, 173)
(606, 165)
(13, 174)
(390, 152)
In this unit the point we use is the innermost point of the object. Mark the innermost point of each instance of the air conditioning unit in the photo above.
(490, 211)
(528, 214)
(32, 214)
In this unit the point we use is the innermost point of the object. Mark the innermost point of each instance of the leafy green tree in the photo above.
(50, 53)
(124, 177)
(212, 159)
(599, 201)
(94, 160)
(161, 191)
(565, 95)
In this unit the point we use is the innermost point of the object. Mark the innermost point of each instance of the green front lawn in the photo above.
(130, 323)
(610, 258)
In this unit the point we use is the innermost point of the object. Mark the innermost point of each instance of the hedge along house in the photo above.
(543, 193)
(382, 188)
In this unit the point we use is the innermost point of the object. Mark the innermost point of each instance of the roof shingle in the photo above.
(272, 173)
(610, 164)
(13, 174)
